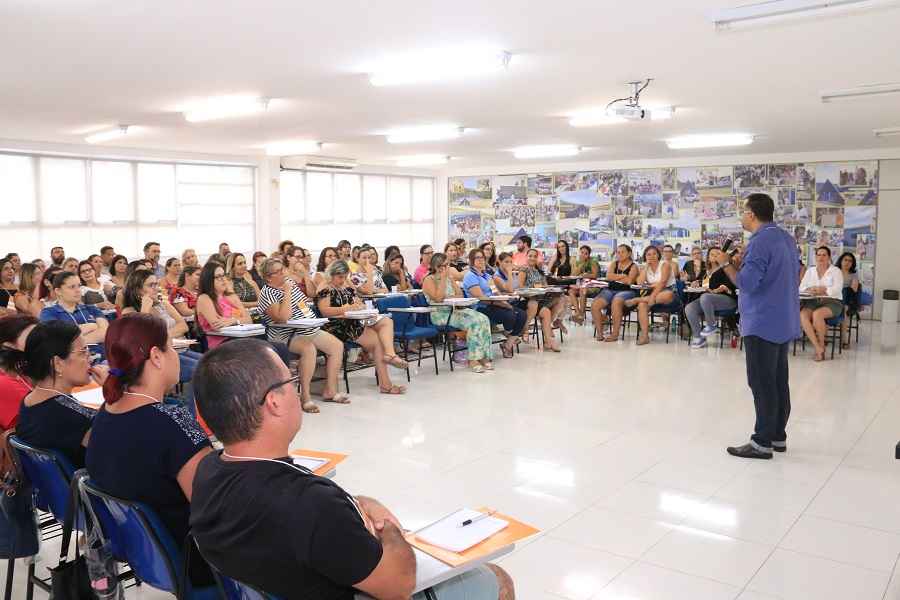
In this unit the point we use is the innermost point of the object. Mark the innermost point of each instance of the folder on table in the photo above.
(512, 532)
(332, 460)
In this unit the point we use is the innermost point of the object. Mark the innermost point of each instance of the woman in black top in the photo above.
(57, 359)
(561, 265)
(621, 274)
(140, 448)
(721, 296)
(490, 258)
(7, 284)
(694, 271)
(395, 273)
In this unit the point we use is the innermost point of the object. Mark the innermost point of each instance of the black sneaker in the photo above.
(779, 446)
(748, 451)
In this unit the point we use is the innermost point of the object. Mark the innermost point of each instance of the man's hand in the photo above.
(377, 512)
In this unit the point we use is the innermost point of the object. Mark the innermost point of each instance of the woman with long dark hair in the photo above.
(846, 262)
(216, 308)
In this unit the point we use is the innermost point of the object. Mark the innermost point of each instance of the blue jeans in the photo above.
(512, 319)
(767, 376)
(608, 295)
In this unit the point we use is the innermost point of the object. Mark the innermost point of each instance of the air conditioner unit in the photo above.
(300, 163)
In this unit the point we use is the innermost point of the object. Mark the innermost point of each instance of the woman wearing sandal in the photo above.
(328, 255)
(825, 283)
(621, 275)
(658, 274)
(282, 300)
(476, 284)
(368, 279)
(542, 306)
(438, 285)
(377, 339)
(585, 266)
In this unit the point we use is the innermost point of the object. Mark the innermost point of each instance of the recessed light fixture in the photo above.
(426, 133)
(886, 132)
(291, 147)
(713, 140)
(224, 107)
(422, 160)
(108, 134)
(781, 11)
(439, 64)
(861, 91)
(546, 151)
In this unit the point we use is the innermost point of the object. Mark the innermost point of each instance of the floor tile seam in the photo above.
(890, 578)
(840, 562)
(867, 527)
(707, 578)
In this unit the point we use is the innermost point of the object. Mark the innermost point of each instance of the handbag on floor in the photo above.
(18, 520)
(69, 579)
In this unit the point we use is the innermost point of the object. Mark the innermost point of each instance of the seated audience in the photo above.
(285, 247)
(460, 244)
(312, 539)
(57, 256)
(476, 284)
(621, 274)
(668, 256)
(47, 293)
(561, 266)
(695, 271)
(298, 270)
(39, 262)
(438, 286)
(258, 258)
(368, 278)
(523, 245)
(825, 282)
(16, 261)
(189, 258)
(70, 265)
(377, 339)
(345, 253)
(141, 448)
(184, 297)
(455, 266)
(327, 256)
(540, 306)
(490, 257)
(117, 276)
(224, 250)
(8, 286)
(658, 274)
(395, 273)
(28, 299)
(425, 254)
(586, 266)
(846, 262)
(170, 281)
(216, 308)
(241, 280)
(282, 300)
(721, 296)
(89, 319)
(107, 254)
(354, 254)
(151, 255)
(506, 278)
(14, 330)
(100, 271)
(57, 359)
(135, 265)
(92, 291)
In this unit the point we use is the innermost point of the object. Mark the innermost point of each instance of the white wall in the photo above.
(887, 249)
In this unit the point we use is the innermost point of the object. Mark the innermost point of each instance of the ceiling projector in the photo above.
(630, 108)
(631, 112)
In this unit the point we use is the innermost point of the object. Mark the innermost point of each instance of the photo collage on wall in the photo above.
(831, 204)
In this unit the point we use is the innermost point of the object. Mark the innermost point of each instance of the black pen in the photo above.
(476, 519)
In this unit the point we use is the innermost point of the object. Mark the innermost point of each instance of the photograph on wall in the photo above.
(662, 231)
(470, 192)
(784, 196)
(544, 235)
(827, 193)
(864, 246)
(858, 220)
(564, 182)
(488, 229)
(465, 225)
(645, 181)
(510, 190)
(747, 176)
(866, 271)
(602, 248)
(717, 233)
(624, 205)
(713, 208)
(800, 233)
(573, 210)
(670, 204)
(785, 174)
(806, 181)
(715, 181)
(546, 208)
(604, 201)
(517, 215)
(571, 229)
(648, 206)
(687, 184)
(540, 184)
(829, 216)
(614, 183)
(863, 174)
(860, 198)
(602, 221)
(631, 226)
(669, 180)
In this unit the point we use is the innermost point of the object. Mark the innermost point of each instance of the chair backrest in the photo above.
(136, 533)
(422, 319)
(679, 290)
(402, 321)
(231, 589)
(50, 473)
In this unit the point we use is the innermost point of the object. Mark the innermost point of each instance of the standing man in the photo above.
(57, 256)
(769, 304)
(151, 253)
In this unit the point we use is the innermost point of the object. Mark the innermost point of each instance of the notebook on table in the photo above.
(308, 322)
(248, 328)
(311, 460)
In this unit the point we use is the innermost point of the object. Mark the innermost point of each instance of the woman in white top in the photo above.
(658, 274)
(825, 283)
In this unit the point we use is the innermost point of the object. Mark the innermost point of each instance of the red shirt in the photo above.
(12, 390)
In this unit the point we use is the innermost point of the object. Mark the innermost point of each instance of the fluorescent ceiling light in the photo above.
(109, 134)
(439, 64)
(780, 11)
(427, 133)
(887, 132)
(291, 147)
(861, 91)
(422, 160)
(714, 140)
(223, 107)
(546, 151)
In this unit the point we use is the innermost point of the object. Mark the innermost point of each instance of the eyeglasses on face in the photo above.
(275, 386)
(220, 276)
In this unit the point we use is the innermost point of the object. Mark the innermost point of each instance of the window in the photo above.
(83, 204)
(319, 208)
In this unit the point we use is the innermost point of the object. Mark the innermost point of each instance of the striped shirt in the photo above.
(271, 296)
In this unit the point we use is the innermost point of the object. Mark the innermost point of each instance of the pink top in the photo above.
(227, 310)
(421, 273)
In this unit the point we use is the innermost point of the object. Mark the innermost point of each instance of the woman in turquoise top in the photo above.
(438, 285)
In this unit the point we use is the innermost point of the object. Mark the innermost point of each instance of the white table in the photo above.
(430, 571)
(92, 398)
(255, 332)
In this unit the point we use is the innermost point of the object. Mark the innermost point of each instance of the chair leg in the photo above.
(448, 349)
(406, 357)
(434, 354)
(346, 379)
(10, 569)
(29, 587)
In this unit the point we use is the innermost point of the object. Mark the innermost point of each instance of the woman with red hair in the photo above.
(141, 448)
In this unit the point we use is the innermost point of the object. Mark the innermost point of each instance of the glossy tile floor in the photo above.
(617, 453)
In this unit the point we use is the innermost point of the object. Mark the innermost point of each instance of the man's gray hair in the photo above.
(268, 266)
(338, 267)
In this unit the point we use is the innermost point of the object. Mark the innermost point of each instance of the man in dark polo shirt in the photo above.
(264, 521)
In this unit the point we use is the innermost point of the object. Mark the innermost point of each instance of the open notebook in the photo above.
(450, 534)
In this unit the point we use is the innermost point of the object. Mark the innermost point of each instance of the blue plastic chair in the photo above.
(721, 315)
(139, 538)
(407, 329)
(444, 331)
(675, 308)
(50, 474)
(832, 336)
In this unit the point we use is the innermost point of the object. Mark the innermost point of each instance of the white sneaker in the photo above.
(698, 342)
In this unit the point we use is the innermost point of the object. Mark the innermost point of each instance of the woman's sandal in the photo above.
(396, 361)
(819, 357)
(394, 390)
(339, 398)
(310, 407)
(507, 350)
(476, 367)
(642, 341)
(610, 338)
(552, 347)
(488, 365)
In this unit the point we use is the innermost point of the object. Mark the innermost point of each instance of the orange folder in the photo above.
(333, 458)
(514, 532)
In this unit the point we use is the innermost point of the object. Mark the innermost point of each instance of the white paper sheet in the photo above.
(448, 534)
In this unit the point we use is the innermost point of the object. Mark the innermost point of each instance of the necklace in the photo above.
(142, 395)
(57, 392)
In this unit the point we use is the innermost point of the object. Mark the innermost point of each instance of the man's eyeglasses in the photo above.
(275, 386)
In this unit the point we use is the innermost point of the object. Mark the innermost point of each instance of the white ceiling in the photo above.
(71, 66)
